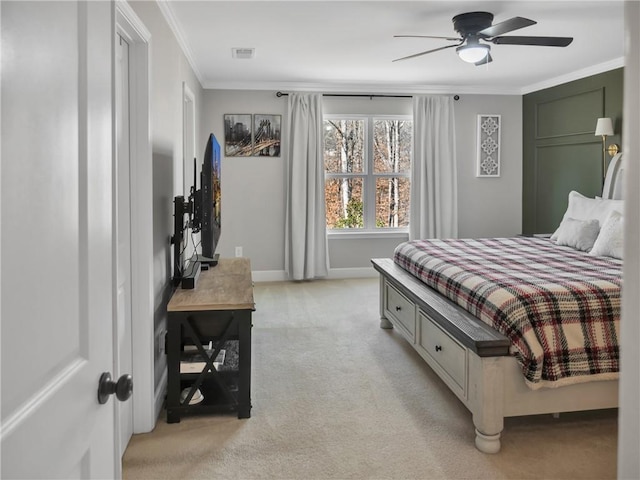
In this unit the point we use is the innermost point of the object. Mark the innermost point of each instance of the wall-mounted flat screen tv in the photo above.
(211, 191)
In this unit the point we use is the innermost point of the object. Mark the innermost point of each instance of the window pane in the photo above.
(392, 145)
(344, 146)
(343, 198)
(392, 202)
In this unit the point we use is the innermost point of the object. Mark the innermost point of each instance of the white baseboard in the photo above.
(361, 272)
(269, 276)
(334, 273)
(160, 394)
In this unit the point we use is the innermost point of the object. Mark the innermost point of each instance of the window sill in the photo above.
(364, 234)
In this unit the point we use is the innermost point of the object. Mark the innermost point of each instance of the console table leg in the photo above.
(172, 417)
(244, 380)
(174, 335)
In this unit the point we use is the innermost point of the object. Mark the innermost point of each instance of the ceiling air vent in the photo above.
(243, 52)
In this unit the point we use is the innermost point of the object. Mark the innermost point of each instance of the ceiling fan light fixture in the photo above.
(474, 27)
(473, 53)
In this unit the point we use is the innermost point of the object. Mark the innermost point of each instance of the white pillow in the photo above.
(585, 208)
(609, 241)
(578, 234)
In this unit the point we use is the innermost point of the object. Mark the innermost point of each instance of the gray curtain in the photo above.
(434, 192)
(306, 251)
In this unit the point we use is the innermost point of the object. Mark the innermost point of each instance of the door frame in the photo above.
(123, 345)
(188, 136)
(147, 400)
(188, 150)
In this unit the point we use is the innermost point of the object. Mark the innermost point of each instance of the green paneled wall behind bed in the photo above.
(560, 151)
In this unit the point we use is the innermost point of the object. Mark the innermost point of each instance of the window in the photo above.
(367, 168)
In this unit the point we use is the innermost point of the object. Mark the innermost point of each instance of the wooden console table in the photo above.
(202, 321)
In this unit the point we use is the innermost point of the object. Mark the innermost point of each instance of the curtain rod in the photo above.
(366, 95)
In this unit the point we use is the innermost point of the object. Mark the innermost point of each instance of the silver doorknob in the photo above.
(123, 388)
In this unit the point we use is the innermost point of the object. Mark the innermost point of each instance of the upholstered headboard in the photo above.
(614, 179)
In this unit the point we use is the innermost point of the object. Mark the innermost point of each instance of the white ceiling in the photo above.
(348, 46)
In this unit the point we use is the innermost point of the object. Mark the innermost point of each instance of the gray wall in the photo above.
(253, 195)
(489, 207)
(169, 69)
(253, 204)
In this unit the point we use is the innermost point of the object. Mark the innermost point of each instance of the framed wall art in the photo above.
(266, 135)
(237, 135)
(488, 160)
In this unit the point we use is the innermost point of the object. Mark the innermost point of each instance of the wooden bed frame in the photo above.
(472, 358)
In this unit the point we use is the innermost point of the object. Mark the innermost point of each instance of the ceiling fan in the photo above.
(475, 27)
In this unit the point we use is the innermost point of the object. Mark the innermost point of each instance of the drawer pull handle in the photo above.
(398, 308)
(438, 348)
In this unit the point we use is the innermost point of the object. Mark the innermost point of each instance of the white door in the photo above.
(56, 239)
(123, 347)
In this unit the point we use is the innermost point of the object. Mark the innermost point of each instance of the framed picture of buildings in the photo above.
(266, 135)
(237, 135)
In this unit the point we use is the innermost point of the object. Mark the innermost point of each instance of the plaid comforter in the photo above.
(560, 307)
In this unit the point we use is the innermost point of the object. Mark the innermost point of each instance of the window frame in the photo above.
(369, 178)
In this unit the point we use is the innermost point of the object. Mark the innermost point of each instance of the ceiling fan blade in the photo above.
(455, 39)
(537, 41)
(428, 51)
(484, 61)
(510, 25)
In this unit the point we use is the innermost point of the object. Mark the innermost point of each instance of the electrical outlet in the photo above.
(238, 251)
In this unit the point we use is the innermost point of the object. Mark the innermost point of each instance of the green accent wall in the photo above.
(560, 151)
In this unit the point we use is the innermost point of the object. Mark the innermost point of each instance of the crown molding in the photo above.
(371, 88)
(577, 75)
(169, 16)
(418, 89)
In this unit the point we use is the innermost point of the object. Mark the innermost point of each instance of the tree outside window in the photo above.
(367, 167)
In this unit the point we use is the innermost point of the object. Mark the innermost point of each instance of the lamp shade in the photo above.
(604, 127)
(473, 53)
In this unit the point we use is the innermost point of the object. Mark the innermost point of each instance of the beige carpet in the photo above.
(336, 397)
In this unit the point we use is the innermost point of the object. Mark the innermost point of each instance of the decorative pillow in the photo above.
(578, 234)
(585, 208)
(609, 241)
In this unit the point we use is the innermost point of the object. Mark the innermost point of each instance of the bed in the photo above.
(517, 326)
